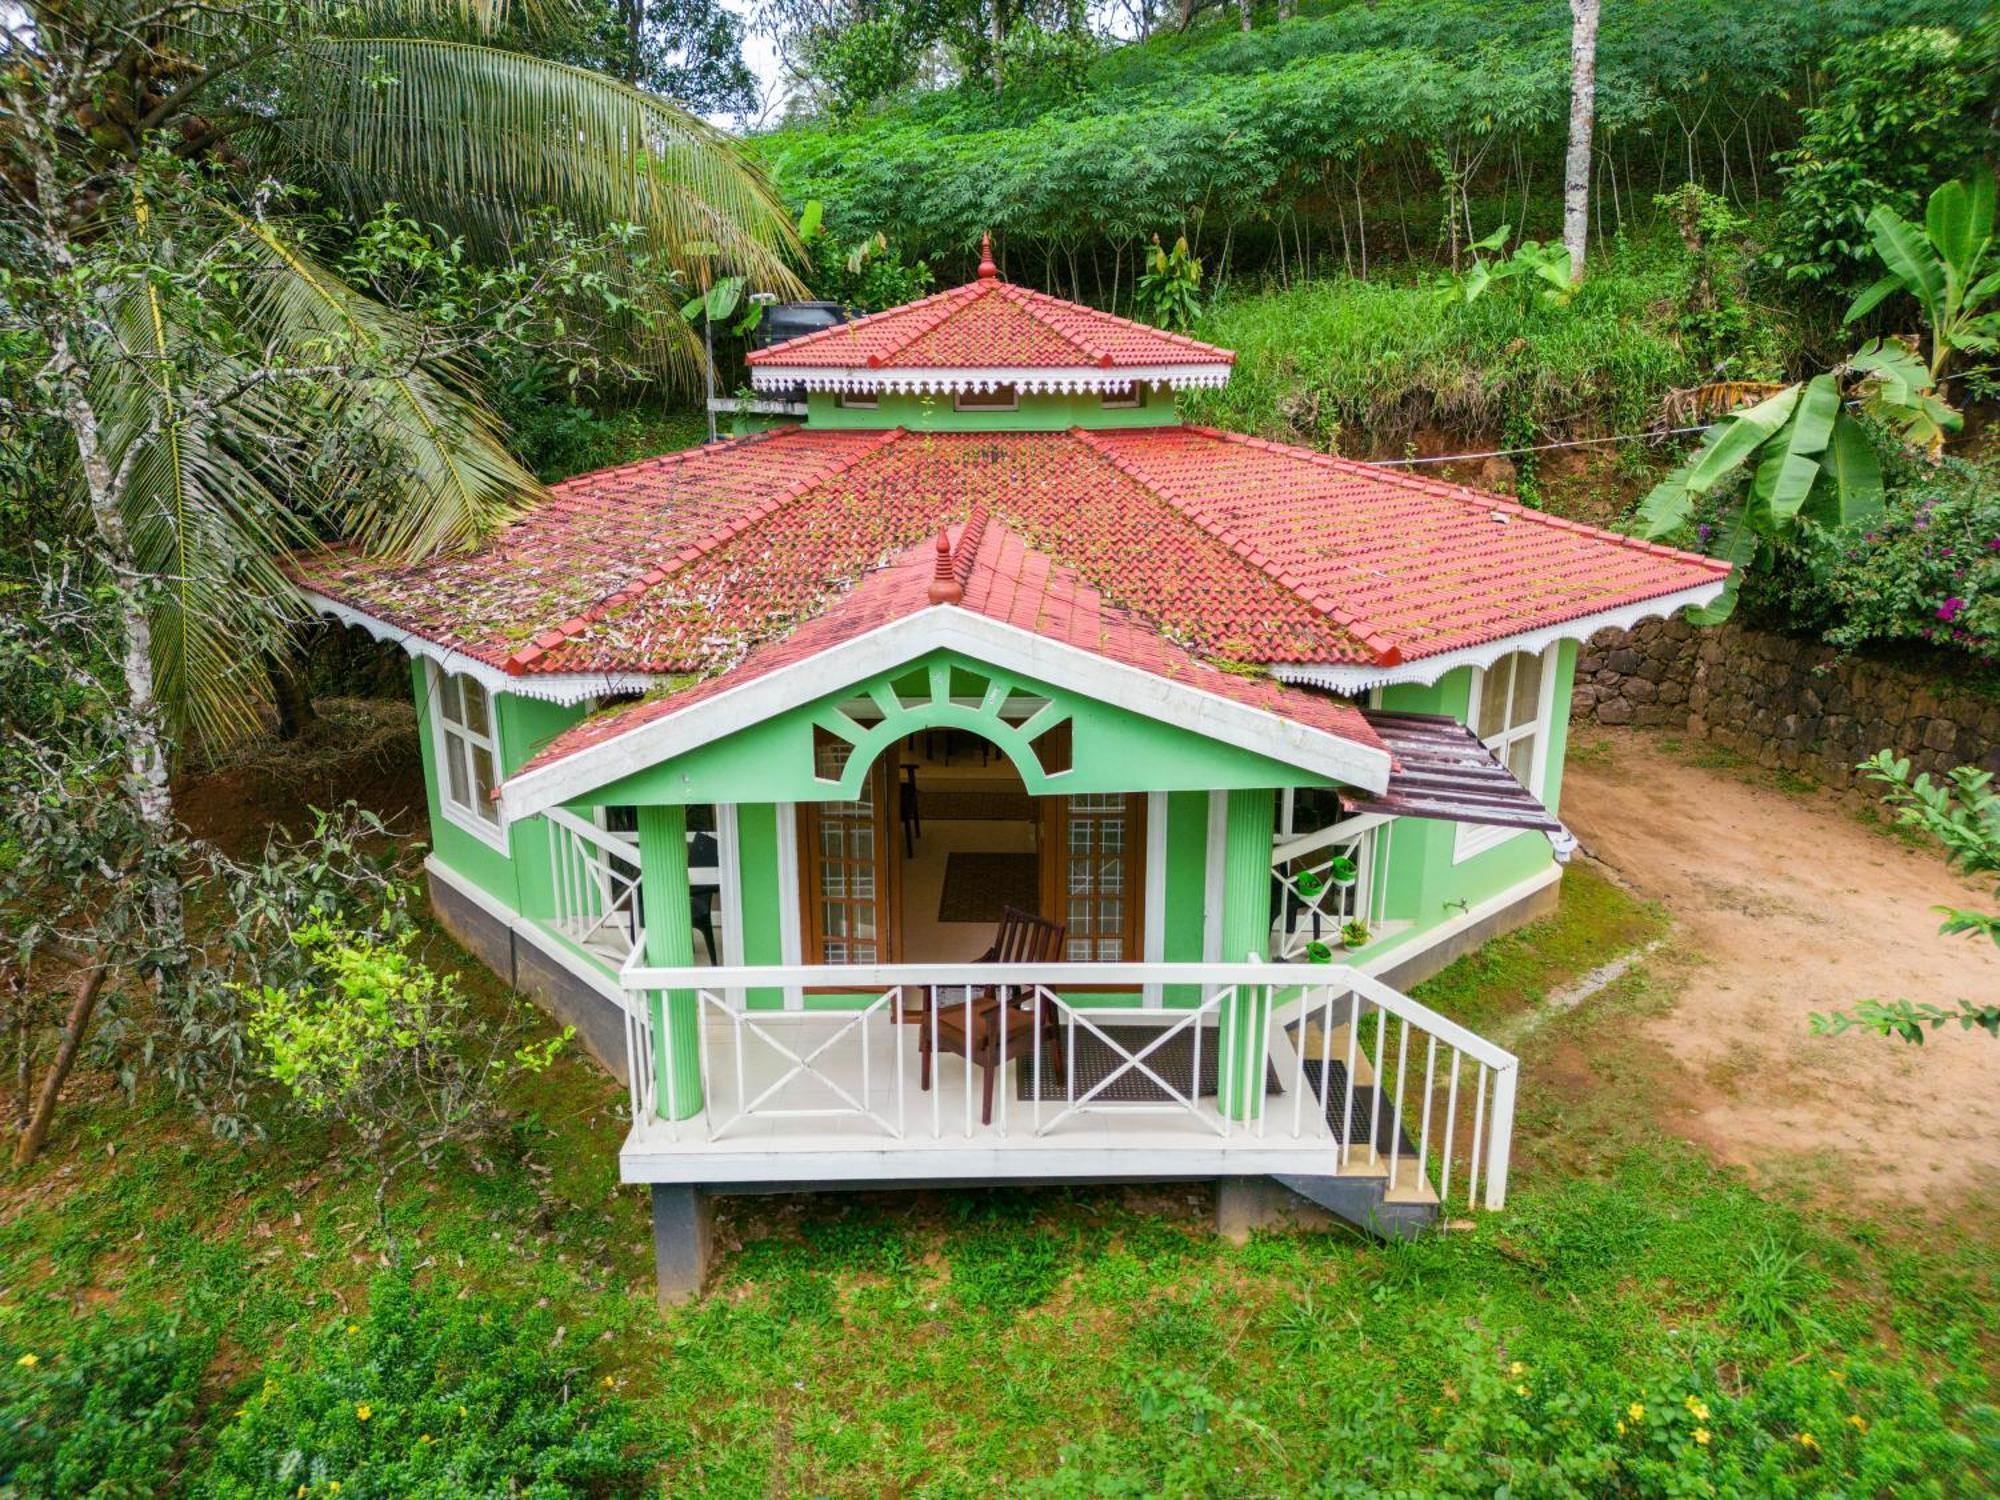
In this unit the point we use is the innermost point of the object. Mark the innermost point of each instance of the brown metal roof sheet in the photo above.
(1443, 771)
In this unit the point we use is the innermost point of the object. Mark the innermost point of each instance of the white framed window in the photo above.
(1509, 711)
(466, 743)
(1000, 398)
(1130, 399)
(858, 400)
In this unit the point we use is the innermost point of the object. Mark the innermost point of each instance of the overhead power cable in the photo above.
(1457, 458)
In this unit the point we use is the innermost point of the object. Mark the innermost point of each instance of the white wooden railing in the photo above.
(1322, 881)
(595, 876)
(1390, 1088)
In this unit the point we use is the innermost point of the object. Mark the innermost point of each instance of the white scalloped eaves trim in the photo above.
(1351, 681)
(552, 687)
(1036, 380)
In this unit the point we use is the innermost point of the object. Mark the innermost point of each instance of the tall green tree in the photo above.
(221, 392)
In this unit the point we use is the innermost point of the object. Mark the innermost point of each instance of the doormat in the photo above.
(976, 802)
(1173, 1060)
(977, 885)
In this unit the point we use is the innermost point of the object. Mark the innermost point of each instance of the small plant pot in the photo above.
(1318, 952)
(1352, 939)
(1309, 884)
(1343, 871)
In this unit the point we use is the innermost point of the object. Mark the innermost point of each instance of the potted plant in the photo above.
(1308, 883)
(1343, 871)
(1318, 952)
(1354, 935)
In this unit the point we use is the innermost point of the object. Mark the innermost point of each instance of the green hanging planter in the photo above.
(1318, 952)
(1354, 935)
(1343, 871)
(1309, 884)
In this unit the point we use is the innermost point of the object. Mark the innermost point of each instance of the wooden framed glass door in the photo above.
(1094, 874)
(847, 859)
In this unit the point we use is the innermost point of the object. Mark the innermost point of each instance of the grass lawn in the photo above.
(204, 1319)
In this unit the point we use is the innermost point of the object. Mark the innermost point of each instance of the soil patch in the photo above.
(1787, 905)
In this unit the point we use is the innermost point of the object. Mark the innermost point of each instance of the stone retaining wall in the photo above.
(1782, 701)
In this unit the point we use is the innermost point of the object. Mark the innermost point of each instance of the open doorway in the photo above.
(943, 837)
(969, 840)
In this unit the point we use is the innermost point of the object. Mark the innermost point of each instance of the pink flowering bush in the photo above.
(1926, 569)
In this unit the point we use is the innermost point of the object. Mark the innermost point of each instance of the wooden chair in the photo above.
(974, 1027)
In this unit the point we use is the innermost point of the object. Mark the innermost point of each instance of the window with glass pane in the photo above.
(468, 751)
(1099, 891)
(845, 898)
(1506, 715)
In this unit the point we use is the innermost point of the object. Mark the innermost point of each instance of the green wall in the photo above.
(1424, 886)
(1113, 749)
(521, 878)
(1052, 413)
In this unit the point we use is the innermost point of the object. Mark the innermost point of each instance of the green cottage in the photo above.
(992, 779)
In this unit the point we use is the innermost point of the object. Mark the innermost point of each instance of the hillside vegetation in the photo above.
(1353, 132)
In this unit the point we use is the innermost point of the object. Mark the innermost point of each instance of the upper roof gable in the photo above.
(990, 325)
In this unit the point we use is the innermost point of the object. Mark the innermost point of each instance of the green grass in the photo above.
(1096, 1342)
(1369, 367)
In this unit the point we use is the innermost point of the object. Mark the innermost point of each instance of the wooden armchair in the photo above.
(975, 1026)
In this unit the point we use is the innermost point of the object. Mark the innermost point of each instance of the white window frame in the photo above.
(1132, 398)
(461, 815)
(858, 400)
(1474, 839)
(988, 400)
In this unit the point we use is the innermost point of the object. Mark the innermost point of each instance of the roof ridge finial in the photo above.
(987, 270)
(945, 587)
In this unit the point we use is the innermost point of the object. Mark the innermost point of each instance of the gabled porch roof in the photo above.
(995, 598)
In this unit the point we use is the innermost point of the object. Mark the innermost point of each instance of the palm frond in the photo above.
(478, 139)
(446, 477)
(203, 525)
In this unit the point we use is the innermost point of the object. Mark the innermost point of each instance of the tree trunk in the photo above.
(1243, 14)
(1582, 107)
(145, 743)
(289, 671)
(74, 1029)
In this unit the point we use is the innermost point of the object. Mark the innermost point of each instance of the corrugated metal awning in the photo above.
(1443, 771)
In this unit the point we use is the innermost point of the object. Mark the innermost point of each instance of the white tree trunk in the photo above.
(1582, 108)
(1243, 13)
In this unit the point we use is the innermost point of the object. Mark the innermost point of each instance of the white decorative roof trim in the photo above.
(1176, 701)
(1035, 380)
(1350, 681)
(551, 687)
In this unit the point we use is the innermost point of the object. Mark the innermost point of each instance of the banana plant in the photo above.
(1811, 460)
(1950, 267)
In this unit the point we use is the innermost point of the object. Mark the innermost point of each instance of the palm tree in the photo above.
(221, 388)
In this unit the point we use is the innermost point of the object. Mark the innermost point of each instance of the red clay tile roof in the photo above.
(988, 324)
(1231, 548)
(1003, 579)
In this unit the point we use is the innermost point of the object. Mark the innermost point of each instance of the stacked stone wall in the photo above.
(1785, 702)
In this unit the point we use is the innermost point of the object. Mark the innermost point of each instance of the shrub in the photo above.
(432, 1393)
(100, 1412)
(1902, 111)
(1926, 570)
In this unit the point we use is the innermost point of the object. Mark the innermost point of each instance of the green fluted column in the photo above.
(663, 882)
(1246, 929)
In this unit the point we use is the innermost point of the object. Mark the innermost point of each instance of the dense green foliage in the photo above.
(1100, 1343)
(1350, 132)
(431, 1395)
(1926, 571)
(1900, 111)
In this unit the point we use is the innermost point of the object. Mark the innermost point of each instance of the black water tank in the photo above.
(791, 320)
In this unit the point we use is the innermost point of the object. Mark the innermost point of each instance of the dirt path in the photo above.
(1787, 904)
